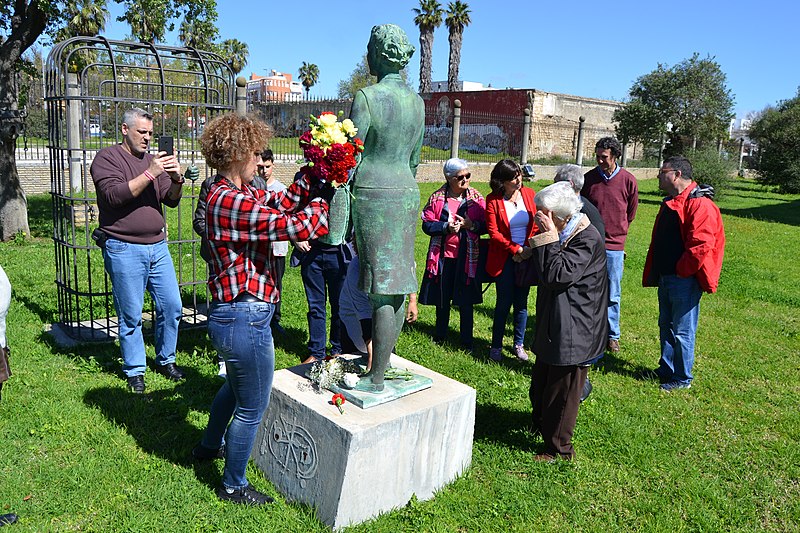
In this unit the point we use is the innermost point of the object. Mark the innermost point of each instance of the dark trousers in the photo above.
(280, 268)
(323, 276)
(555, 395)
(465, 311)
(508, 295)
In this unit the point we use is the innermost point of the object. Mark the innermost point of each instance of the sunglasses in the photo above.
(467, 176)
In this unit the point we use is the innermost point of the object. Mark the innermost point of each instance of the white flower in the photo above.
(350, 380)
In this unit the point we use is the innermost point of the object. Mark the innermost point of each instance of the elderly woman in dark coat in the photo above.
(571, 314)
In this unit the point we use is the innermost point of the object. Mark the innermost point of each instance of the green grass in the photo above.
(80, 453)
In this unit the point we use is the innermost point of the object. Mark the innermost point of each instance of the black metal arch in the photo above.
(90, 82)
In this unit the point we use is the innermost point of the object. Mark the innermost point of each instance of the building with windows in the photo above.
(276, 87)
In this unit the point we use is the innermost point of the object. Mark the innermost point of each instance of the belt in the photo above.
(246, 297)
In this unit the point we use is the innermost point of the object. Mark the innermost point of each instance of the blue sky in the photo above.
(594, 49)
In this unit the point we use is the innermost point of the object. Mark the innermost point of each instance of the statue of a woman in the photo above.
(390, 118)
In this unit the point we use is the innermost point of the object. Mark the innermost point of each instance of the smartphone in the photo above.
(166, 144)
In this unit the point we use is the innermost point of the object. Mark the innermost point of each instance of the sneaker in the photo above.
(496, 354)
(675, 385)
(247, 496)
(223, 370)
(613, 346)
(201, 453)
(520, 352)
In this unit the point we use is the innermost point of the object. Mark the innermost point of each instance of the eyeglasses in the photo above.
(466, 176)
(664, 171)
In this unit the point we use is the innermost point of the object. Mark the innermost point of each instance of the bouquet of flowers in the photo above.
(331, 371)
(330, 148)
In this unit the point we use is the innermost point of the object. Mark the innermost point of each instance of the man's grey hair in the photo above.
(135, 113)
(571, 173)
(560, 199)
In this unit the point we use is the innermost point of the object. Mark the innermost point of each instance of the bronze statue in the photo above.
(390, 118)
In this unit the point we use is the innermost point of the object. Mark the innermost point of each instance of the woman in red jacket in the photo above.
(509, 220)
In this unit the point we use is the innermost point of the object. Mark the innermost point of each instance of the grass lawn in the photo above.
(78, 452)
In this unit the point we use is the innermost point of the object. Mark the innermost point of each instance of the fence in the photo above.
(484, 137)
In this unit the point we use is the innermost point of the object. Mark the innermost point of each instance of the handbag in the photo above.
(483, 253)
(525, 273)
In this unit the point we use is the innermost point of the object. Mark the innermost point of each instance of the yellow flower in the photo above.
(349, 128)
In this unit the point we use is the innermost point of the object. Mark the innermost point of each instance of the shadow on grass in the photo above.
(787, 212)
(157, 420)
(619, 366)
(496, 425)
(40, 215)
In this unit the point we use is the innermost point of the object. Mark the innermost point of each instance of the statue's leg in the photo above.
(388, 314)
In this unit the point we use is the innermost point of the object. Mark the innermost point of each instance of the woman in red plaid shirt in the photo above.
(241, 224)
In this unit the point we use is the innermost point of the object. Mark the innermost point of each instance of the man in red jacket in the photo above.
(684, 260)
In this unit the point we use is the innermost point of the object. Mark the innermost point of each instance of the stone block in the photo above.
(354, 466)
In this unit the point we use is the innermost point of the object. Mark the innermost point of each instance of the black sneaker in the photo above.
(246, 496)
(201, 453)
(587, 390)
(136, 384)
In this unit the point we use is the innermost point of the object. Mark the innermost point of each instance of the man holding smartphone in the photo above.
(131, 185)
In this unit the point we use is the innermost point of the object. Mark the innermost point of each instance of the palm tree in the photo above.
(309, 76)
(429, 17)
(236, 53)
(457, 19)
(86, 17)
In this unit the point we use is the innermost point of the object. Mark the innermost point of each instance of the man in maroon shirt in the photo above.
(131, 185)
(615, 193)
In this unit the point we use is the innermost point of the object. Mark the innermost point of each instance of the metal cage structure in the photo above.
(90, 82)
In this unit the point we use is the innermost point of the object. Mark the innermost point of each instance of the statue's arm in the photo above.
(359, 114)
(415, 153)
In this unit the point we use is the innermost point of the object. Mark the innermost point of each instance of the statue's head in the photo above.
(388, 49)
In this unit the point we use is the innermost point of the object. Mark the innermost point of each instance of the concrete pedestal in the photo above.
(354, 466)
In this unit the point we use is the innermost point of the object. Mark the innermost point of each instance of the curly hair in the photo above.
(503, 171)
(609, 143)
(391, 46)
(231, 138)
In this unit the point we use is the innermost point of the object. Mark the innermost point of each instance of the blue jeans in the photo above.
(241, 333)
(134, 268)
(509, 294)
(323, 273)
(678, 312)
(615, 260)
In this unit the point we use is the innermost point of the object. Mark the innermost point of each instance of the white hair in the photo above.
(571, 173)
(560, 199)
(453, 166)
(135, 113)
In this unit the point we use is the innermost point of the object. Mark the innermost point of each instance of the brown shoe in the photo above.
(613, 346)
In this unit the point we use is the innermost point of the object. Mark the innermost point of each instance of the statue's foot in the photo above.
(365, 384)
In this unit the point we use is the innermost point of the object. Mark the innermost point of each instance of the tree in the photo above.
(457, 19)
(777, 132)
(235, 53)
(309, 76)
(429, 17)
(360, 78)
(151, 19)
(199, 30)
(691, 97)
(85, 18)
(22, 23)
